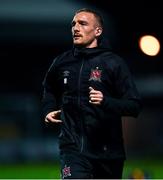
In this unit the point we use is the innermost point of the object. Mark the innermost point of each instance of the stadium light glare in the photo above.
(149, 45)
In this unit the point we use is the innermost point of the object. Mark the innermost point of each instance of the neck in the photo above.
(92, 45)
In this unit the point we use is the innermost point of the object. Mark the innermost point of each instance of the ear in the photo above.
(98, 31)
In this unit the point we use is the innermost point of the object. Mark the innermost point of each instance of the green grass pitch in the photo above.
(152, 169)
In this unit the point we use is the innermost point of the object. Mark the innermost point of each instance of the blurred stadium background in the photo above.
(32, 33)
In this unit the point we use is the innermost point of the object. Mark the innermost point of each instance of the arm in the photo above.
(128, 102)
(49, 102)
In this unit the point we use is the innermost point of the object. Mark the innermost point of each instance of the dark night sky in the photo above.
(28, 46)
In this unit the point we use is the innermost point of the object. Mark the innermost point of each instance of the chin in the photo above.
(78, 44)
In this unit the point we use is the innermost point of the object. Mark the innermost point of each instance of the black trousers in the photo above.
(77, 166)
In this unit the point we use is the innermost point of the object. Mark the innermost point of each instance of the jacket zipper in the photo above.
(79, 102)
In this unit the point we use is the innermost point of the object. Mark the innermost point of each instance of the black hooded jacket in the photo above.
(92, 130)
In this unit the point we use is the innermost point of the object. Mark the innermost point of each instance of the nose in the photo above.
(76, 27)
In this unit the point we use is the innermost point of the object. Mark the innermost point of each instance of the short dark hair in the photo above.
(97, 15)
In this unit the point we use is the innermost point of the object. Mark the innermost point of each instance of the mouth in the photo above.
(77, 36)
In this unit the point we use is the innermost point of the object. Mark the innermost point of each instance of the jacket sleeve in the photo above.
(49, 94)
(128, 101)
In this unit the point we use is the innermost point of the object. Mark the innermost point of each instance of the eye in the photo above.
(73, 23)
(84, 23)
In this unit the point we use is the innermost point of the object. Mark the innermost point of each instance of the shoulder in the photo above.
(113, 59)
(63, 55)
(61, 58)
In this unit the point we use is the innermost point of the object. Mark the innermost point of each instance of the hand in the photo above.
(53, 117)
(96, 97)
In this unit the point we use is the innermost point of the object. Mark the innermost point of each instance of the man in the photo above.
(87, 90)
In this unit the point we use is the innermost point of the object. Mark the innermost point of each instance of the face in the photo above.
(85, 30)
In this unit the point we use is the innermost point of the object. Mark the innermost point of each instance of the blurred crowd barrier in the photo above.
(25, 137)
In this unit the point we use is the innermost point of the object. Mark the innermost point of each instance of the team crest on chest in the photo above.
(95, 74)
